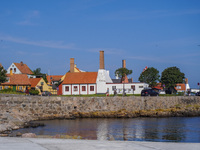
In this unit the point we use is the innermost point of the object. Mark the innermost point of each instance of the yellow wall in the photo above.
(23, 88)
(45, 86)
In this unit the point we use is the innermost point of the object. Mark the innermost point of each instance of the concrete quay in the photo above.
(13, 143)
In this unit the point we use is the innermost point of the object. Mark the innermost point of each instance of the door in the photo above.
(14, 88)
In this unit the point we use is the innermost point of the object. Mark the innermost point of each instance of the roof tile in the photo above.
(18, 79)
(80, 78)
(24, 69)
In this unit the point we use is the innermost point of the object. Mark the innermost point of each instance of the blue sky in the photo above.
(155, 33)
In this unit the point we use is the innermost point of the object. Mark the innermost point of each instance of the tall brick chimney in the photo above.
(186, 80)
(102, 60)
(123, 63)
(71, 64)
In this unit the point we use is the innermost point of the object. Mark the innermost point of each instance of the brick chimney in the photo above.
(71, 64)
(21, 63)
(101, 60)
(186, 80)
(123, 63)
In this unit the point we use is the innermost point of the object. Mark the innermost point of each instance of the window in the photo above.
(178, 87)
(10, 69)
(0, 87)
(20, 88)
(133, 87)
(75, 88)
(91, 88)
(83, 88)
(6, 87)
(141, 87)
(42, 83)
(14, 69)
(113, 88)
(67, 88)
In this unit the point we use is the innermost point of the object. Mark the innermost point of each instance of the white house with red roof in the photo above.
(20, 68)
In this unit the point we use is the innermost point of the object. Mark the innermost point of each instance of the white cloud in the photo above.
(49, 44)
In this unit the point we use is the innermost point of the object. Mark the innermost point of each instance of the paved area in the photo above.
(9, 143)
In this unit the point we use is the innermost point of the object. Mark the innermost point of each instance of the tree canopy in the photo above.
(2, 75)
(121, 72)
(171, 76)
(37, 71)
(150, 76)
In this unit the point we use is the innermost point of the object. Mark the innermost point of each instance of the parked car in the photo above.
(149, 92)
(198, 94)
(46, 93)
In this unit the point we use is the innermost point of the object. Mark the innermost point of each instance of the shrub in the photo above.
(33, 92)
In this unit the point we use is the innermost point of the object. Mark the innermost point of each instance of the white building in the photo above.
(20, 68)
(83, 83)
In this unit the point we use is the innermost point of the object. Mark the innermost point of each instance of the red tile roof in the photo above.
(80, 78)
(18, 79)
(158, 86)
(54, 78)
(181, 85)
(34, 81)
(24, 69)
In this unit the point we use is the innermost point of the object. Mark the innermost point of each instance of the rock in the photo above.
(3, 135)
(18, 134)
(15, 127)
(29, 135)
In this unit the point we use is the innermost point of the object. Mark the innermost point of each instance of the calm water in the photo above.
(177, 129)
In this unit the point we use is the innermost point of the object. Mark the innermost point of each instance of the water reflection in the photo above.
(137, 129)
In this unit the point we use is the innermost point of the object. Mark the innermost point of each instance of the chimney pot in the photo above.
(21, 63)
(102, 60)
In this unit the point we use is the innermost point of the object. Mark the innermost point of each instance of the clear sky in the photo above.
(155, 33)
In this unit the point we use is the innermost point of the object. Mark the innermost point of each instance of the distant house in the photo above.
(20, 68)
(39, 84)
(17, 82)
(180, 87)
(54, 79)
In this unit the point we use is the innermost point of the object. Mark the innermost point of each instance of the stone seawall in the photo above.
(15, 111)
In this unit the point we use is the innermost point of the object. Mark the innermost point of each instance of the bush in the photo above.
(7, 90)
(33, 92)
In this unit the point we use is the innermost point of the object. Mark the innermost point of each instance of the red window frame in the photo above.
(67, 88)
(91, 88)
(83, 88)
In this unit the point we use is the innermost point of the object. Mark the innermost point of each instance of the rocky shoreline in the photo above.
(19, 112)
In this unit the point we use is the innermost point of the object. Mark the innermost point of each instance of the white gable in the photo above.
(14, 68)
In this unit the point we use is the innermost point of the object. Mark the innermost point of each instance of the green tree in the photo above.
(2, 75)
(171, 76)
(121, 72)
(150, 76)
(37, 71)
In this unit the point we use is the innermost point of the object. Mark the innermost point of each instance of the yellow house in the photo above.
(17, 82)
(40, 85)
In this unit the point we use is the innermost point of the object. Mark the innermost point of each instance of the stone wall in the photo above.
(17, 110)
